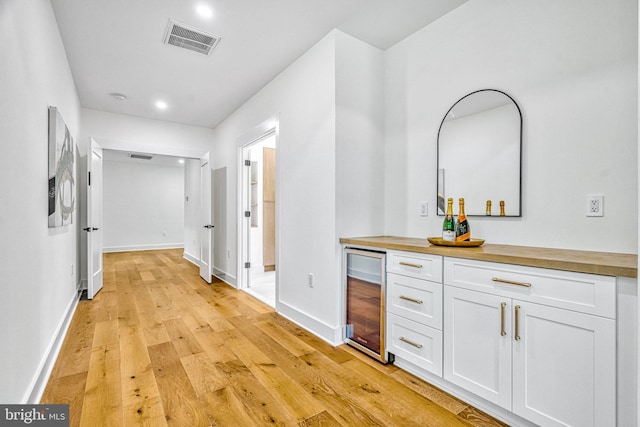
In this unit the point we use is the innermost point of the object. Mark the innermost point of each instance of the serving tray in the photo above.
(473, 243)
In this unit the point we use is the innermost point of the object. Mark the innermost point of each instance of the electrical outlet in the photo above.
(310, 280)
(595, 205)
(424, 209)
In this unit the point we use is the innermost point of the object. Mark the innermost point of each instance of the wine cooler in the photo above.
(365, 286)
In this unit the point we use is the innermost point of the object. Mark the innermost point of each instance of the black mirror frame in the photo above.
(440, 202)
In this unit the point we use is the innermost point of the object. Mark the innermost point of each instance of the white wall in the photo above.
(305, 181)
(143, 206)
(359, 156)
(128, 133)
(38, 264)
(572, 68)
(192, 209)
(303, 97)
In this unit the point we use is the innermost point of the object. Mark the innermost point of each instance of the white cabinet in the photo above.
(516, 337)
(415, 342)
(420, 266)
(477, 356)
(414, 307)
(564, 367)
(415, 299)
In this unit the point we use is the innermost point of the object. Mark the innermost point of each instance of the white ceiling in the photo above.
(117, 46)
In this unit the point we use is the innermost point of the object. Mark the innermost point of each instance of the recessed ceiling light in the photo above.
(118, 96)
(181, 161)
(161, 105)
(204, 11)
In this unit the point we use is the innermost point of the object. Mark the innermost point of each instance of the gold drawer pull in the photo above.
(517, 334)
(362, 340)
(408, 264)
(410, 342)
(417, 301)
(502, 330)
(511, 282)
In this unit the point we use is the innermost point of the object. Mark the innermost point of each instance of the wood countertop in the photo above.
(604, 263)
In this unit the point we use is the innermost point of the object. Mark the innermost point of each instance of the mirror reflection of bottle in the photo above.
(501, 207)
(488, 210)
(463, 231)
(449, 224)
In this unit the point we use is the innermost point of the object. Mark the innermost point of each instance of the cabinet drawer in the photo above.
(415, 299)
(416, 343)
(585, 293)
(420, 266)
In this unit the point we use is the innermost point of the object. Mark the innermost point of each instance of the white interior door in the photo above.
(94, 220)
(206, 238)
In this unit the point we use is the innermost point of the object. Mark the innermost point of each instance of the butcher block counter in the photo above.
(603, 263)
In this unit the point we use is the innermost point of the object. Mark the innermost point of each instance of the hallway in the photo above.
(158, 346)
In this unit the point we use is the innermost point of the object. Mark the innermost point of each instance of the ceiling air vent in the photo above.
(140, 156)
(181, 35)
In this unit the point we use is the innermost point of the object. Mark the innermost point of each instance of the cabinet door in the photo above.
(477, 343)
(564, 367)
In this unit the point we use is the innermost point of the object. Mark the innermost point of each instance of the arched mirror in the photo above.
(479, 154)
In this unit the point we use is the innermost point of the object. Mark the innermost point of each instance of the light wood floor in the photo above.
(158, 346)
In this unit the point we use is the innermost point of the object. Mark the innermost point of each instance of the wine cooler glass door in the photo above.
(365, 284)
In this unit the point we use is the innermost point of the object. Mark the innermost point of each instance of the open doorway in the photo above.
(259, 218)
(151, 201)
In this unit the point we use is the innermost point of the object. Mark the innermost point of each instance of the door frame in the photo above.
(264, 130)
(93, 228)
(106, 144)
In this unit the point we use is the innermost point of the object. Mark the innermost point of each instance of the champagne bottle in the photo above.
(488, 210)
(463, 231)
(501, 207)
(449, 224)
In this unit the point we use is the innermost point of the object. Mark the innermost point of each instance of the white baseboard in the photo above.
(330, 334)
(40, 380)
(191, 258)
(133, 248)
(229, 279)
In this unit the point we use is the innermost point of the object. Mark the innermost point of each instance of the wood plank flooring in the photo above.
(160, 347)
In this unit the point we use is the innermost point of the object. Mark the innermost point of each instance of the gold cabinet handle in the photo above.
(417, 301)
(410, 342)
(503, 332)
(511, 282)
(516, 336)
(408, 264)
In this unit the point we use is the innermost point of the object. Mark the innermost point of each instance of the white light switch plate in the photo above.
(424, 209)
